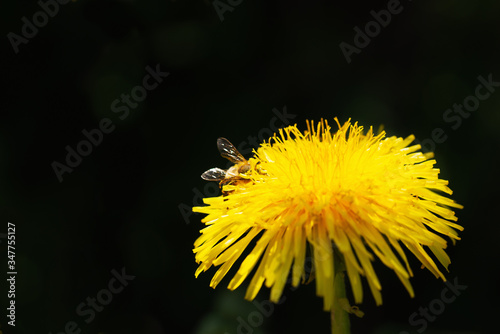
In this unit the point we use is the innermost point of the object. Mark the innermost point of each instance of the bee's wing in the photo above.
(228, 151)
(214, 174)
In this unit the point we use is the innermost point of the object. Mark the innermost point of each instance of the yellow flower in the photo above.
(347, 194)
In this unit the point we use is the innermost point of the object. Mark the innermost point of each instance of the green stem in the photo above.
(339, 315)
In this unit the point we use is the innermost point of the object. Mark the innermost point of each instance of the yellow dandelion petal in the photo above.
(350, 195)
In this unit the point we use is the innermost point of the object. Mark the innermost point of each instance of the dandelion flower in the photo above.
(346, 194)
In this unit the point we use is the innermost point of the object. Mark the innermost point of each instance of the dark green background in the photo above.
(120, 206)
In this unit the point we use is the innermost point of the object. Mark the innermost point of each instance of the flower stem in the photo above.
(339, 315)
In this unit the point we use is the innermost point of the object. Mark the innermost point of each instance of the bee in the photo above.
(233, 174)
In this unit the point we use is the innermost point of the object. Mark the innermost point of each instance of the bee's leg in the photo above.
(222, 183)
